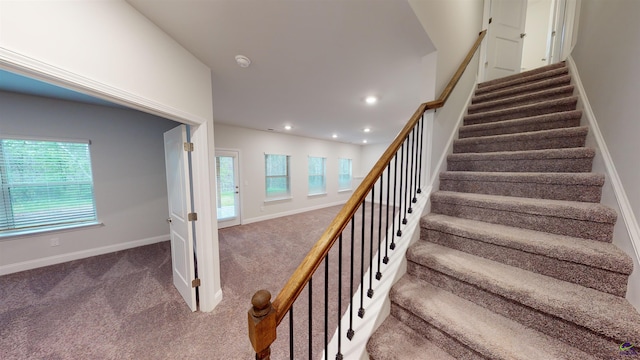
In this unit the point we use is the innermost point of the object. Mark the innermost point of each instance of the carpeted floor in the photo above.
(123, 305)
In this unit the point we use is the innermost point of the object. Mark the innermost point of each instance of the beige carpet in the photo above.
(123, 305)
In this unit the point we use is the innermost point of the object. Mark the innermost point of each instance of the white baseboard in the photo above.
(57, 259)
(291, 212)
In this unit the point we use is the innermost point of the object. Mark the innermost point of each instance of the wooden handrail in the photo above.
(296, 283)
(311, 262)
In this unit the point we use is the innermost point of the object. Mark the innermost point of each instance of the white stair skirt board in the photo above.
(623, 205)
(377, 308)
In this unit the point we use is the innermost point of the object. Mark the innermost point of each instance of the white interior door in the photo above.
(227, 189)
(179, 194)
(505, 37)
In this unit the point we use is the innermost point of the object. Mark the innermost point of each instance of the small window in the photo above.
(277, 178)
(317, 181)
(344, 174)
(45, 185)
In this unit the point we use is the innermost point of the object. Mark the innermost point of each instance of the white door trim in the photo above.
(207, 249)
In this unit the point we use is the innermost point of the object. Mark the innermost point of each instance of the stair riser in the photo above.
(588, 276)
(583, 193)
(571, 333)
(505, 85)
(445, 341)
(519, 144)
(551, 224)
(522, 165)
(522, 90)
(520, 101)
(519, 112)
(527, 73)
(518, 128)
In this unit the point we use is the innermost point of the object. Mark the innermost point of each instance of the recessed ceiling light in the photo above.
(371, 100)
(364, 141)
(287, 127)
(367, 130)
(334, 136)
(243, 61)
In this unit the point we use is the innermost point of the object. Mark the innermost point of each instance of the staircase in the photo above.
(515, 261)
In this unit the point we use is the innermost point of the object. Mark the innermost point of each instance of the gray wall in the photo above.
(127, 153)
(607, 56)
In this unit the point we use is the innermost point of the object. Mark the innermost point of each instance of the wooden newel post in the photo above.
(262, 324)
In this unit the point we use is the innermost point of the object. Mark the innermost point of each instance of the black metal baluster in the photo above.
(350, 332)
(310, 319)
(361, 310)
(373, 202)
(291, 333)
(420, 166)
(411, 162)
(339, 354)
(379, 274)
(406, 180)
(400, 190)
(395, 187)
(386, 223)
(326, 306)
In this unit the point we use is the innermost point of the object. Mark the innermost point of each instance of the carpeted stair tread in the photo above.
(396, 341)
(535, 140)
(582, 251)
(595, 310)
(548, 160)
(522, 80)
(523, 74)
(556, 120)
(558, 186)
(523, 89)
(539, 108)
(572, 218)
(519, 100)
(492, 335)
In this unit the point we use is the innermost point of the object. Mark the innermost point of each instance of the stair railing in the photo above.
(395, 182)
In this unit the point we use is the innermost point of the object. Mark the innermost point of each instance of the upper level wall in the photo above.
(453, 26)
(107, 49)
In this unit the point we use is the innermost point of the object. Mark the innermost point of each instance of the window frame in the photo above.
(287, 176)
(13, 225)
(323, 176)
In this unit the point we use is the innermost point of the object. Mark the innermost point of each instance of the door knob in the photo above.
(523, 35)
(169, 220)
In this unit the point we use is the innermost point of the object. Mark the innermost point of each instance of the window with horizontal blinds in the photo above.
(45, 184)
(317, 181)
(344, 174)
(277, 178)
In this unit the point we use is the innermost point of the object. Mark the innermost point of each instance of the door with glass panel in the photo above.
(227, 188)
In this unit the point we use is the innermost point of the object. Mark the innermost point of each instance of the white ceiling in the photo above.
(313, 61)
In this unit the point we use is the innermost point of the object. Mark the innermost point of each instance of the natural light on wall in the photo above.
(45, 185)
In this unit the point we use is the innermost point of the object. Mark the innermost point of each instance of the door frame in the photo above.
(207, 249)
(238, 180)
(565, 26)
